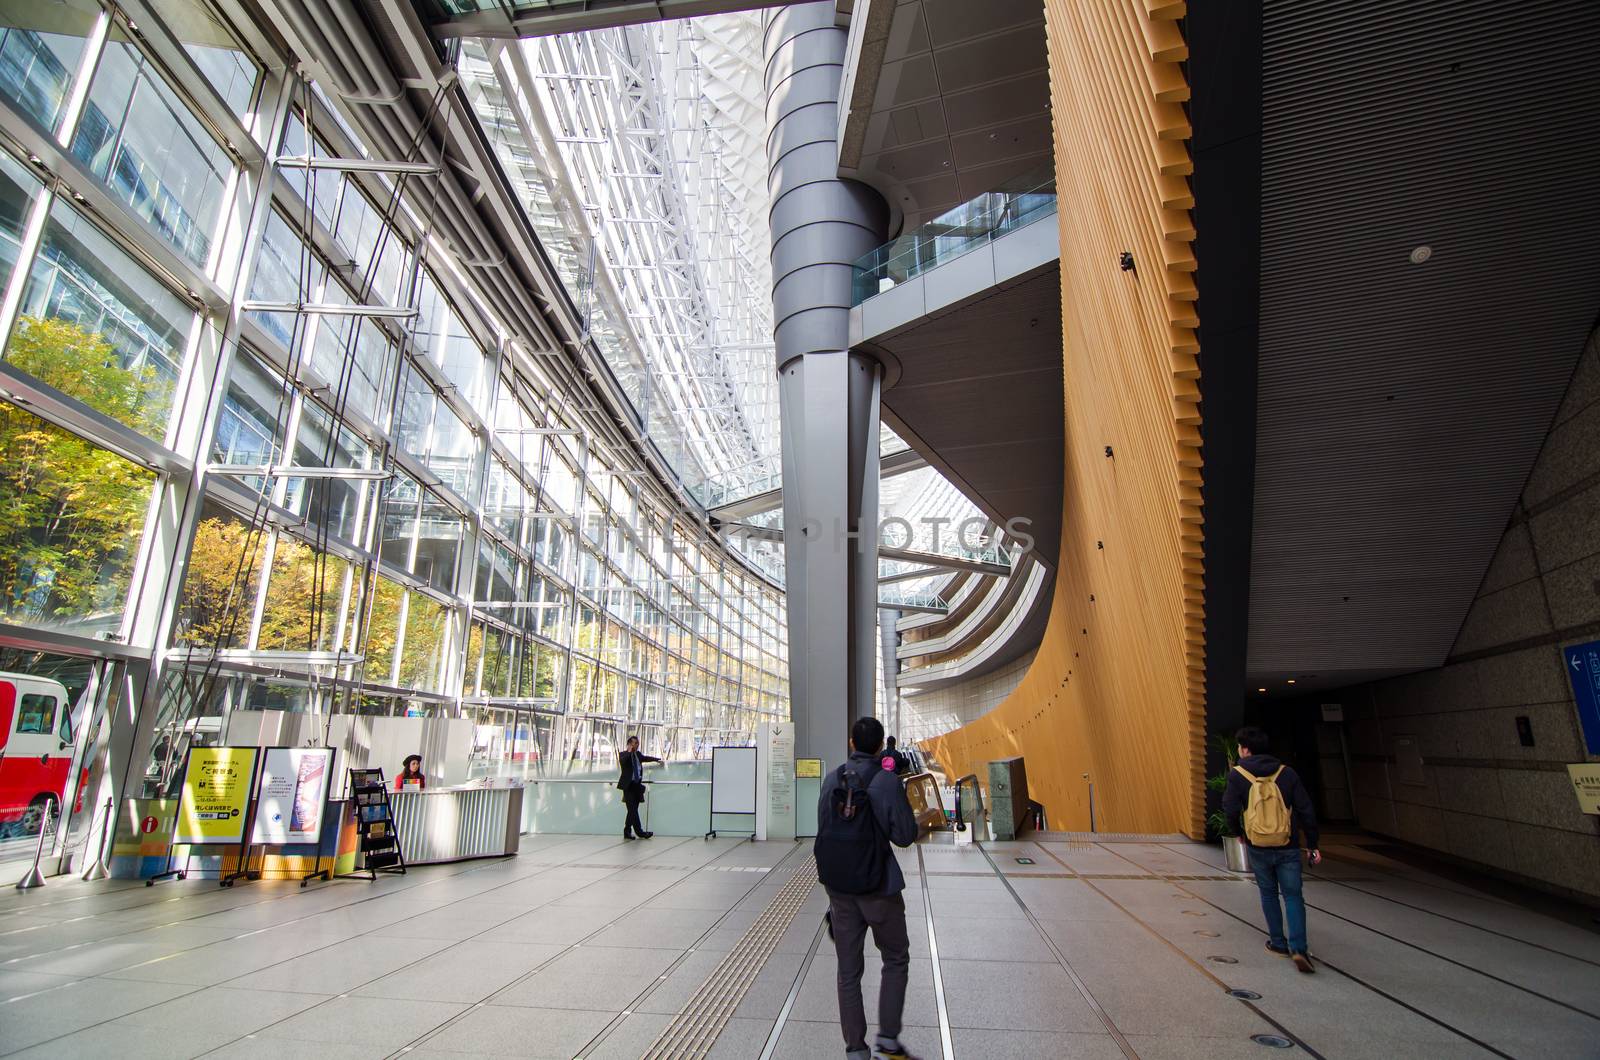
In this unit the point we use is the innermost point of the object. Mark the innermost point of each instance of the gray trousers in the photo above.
(886, 915)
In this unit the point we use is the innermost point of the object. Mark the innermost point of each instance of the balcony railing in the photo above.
(966, 227)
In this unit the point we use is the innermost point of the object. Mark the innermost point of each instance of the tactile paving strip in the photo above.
(693, 1031)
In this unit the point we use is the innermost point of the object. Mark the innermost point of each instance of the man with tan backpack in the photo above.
(1269, 807)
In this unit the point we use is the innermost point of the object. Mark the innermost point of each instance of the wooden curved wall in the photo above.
(1116, 690)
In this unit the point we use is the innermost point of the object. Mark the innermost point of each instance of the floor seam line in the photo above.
(1359, 981)
(225, 982)
(1066, 966)
(946, 1036)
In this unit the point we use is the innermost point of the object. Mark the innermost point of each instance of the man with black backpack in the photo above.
(862, 810)
(1267, 805)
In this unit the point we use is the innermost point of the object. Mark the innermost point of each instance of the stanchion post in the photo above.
(33, 878)
(99, 871)
(1091, 802)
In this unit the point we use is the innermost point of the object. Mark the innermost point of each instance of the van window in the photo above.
(66, 726)
(37, 714)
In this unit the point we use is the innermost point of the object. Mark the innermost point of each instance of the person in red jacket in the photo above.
(410, 775)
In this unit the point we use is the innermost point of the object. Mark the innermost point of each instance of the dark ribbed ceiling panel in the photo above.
(1402, 405)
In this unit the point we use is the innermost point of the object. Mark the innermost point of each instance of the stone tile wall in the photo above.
(1482, 795)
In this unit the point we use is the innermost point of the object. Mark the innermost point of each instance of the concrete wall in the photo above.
(925, 714)
(1464, 784)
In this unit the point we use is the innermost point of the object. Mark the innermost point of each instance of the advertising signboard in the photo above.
(216, 795)
(291, 794)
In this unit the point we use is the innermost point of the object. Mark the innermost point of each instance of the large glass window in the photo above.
(141, 139)
(352, 355)
(220, 582)
(324, 182)
(213, 49)
(74, 515)
(331, 504)
(438, 542)
(41, 46)
(18, 192)
(443, 339)
(255, 409)
(100, 328)
(372, 246)
(284, 270)
(305, 591)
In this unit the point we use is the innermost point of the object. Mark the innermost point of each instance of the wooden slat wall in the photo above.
(1116, 690)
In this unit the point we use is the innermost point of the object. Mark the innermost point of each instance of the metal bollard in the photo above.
(34, 878)
(98, 870)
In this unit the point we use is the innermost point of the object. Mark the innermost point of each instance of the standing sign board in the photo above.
(214, 802)
(1583, 670)
(291, 794)
(775, 768)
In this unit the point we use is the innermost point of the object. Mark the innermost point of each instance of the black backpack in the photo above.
(852, 857)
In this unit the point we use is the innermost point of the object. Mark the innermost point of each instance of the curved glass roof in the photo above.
(639, 152)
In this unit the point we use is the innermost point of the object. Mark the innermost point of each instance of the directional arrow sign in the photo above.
(1583, 670)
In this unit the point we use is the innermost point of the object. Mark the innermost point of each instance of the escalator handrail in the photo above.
(961, 823)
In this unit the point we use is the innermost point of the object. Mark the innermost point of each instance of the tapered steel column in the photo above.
(828, 397)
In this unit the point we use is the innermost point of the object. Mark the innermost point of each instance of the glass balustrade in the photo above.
(955, 232)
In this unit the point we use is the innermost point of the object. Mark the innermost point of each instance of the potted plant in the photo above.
(1232, 845)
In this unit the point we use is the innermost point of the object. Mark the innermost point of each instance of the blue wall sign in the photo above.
(1583, 670)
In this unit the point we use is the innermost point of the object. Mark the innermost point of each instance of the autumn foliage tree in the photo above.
(71, 513)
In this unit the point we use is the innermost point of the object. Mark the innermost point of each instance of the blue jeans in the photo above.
(1277, 870)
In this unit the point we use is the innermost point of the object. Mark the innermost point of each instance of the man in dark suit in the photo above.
(631, 784)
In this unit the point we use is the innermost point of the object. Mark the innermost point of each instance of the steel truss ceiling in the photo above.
(639, 150)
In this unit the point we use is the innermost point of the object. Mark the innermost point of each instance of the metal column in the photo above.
(828, 396)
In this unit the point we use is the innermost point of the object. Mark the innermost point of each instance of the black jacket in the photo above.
(1302, 815)
(632, 790)
(896, 823)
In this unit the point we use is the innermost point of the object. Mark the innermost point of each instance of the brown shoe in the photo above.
(1302, 962)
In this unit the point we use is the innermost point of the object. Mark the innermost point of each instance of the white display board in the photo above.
(291, 794)
(733, 780)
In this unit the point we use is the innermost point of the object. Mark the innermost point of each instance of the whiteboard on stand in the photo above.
(733, 780)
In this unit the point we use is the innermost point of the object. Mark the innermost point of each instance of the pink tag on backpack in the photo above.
(888, 764)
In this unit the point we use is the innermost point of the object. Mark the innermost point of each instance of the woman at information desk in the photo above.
(410, 775)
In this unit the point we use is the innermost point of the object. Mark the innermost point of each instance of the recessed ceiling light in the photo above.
(1291, 680)
(1261, 690)
(1421, 254)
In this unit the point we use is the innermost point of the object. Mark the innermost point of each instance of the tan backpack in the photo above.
(1266, 816)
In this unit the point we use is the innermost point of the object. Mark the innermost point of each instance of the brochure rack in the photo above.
(380, 841)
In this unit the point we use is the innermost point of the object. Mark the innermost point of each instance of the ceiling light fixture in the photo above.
(1421, 254)
(1261, 690)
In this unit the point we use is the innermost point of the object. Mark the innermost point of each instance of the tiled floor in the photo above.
(584, 946)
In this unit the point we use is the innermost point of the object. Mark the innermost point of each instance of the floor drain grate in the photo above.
(1276, 1041)
(1244, 995)
(1222, 960)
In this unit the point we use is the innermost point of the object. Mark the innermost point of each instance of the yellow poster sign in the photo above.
(216, 794)
(808, 768)
(1586, 783)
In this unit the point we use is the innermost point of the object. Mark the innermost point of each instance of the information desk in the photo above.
(452, 824)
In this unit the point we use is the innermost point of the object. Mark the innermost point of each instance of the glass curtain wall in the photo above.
(398, 516)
